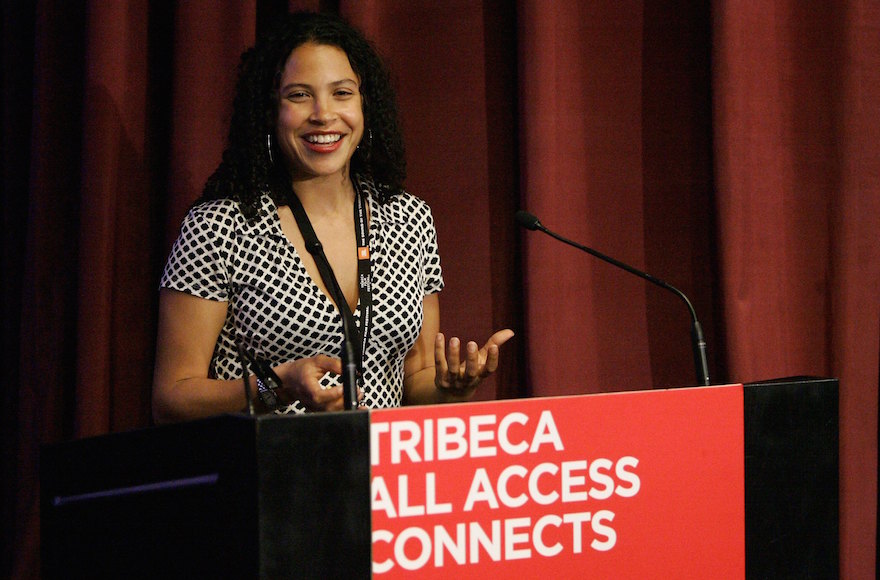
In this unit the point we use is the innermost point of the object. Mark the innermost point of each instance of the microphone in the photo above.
(349, 370)
(531, 222)
(267, 381)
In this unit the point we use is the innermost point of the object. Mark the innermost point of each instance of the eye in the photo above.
(297, 96)
(344, 93)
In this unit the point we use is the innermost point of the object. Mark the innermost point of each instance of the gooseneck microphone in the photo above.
(531, 222)
(349, 368)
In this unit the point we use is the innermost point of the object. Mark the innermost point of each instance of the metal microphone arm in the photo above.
(698, 342)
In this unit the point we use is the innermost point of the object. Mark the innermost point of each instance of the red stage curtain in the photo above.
(796, 91)
(731, 148)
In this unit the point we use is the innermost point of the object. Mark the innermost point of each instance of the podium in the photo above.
(226, 497)
(745, 475)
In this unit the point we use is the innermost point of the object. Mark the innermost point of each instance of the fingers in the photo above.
(326, 399)
(473, 365)
(450, 371)
(492, 352)
(330, 399)
(328, 364)
(499, 338)
(440, 355)
(453, 358)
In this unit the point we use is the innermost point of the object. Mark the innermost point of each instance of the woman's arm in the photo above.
(188, 331)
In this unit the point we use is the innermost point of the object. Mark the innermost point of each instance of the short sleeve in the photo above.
(200, 257)
(433, 273)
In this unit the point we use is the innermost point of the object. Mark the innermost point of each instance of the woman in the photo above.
(314, 145)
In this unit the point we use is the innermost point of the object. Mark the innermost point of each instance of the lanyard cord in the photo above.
(314, 247)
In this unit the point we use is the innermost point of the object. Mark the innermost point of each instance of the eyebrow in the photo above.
(341, 82)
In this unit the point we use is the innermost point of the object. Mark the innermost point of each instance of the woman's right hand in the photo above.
(300, 381)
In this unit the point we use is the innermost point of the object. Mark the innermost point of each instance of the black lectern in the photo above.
(285, 497)
(791, 468)
(228, 497)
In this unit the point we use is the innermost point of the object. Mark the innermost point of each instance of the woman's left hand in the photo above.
(458, 374)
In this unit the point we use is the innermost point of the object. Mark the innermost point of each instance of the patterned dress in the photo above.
(279, 313)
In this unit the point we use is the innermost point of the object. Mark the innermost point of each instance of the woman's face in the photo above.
(320, 114)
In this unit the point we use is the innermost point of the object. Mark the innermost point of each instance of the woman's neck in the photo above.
(325, 195)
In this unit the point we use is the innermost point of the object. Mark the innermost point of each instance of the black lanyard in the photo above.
(365, 297)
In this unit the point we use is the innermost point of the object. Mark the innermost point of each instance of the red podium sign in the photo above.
(626, 485)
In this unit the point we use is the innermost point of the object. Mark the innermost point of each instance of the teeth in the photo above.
(323, 139)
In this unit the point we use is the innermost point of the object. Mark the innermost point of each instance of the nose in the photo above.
(323, 111)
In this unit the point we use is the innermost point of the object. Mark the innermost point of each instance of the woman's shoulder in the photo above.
(220, 216)
(404, 207)
(215, 210)
(409, 203)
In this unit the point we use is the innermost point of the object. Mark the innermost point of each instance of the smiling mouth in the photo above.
(323, 139)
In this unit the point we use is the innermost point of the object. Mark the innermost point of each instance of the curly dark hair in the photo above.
(247, 170)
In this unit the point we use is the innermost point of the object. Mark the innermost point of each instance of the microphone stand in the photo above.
(349, 366)
(698, 342)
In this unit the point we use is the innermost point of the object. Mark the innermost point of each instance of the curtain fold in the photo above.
(209, 38)
(580, 115)
(798, 205)
(45, 190)
(855, 280)
(731, 148)
(113, 275)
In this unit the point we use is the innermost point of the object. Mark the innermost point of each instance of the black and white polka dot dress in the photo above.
(280, 314)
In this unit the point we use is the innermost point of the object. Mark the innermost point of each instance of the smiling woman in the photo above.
(320, 119)
(304, 230)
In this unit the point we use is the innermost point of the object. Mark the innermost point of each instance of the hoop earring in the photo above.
(269, 148)
(367, 142)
